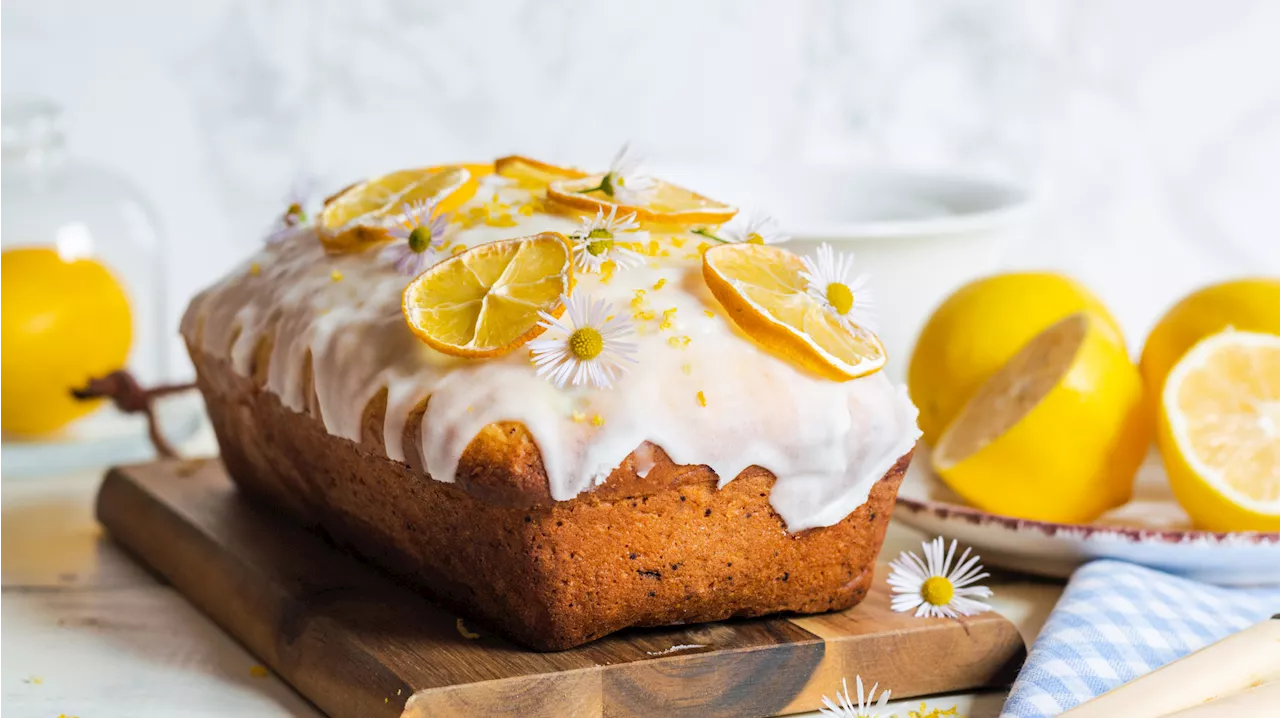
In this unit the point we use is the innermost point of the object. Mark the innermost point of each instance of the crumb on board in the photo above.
(462, 630)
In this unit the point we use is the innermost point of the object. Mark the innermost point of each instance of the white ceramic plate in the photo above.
(1151, 530)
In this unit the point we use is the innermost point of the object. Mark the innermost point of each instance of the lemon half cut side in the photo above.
(1220, 431)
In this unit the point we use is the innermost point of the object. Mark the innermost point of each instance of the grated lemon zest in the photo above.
(644, 315)
(335, 275)
(579, 417)
(679, 342)
(687, 369)
(668, 316)
(462, 629)
(660, 283)
(597, 420)
(702, 399)
(255, 269)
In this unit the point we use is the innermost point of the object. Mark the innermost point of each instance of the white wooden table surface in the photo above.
(93, 634)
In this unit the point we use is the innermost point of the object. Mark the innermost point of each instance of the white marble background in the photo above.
(1149, 129)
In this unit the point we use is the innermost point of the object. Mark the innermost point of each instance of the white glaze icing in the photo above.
(827, 442)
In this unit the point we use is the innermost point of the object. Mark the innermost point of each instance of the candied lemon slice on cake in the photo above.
(1057, 433)
(533, 174)
(485, 301)
(764, 290)
(363, 212)
(660, 202)
(1220, 431)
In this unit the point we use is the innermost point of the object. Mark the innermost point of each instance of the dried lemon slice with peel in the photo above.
(364, 212)
(664, 203)
(763, 289)
(533, 174)
(485, 301)
(1220, 431)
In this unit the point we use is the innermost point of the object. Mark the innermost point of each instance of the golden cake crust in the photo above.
(667, 547)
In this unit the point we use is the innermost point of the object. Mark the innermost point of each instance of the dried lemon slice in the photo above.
(485, 302)
(1220, 431)
(659, 203)
(533, 174)
(365, 211)
(763, 288)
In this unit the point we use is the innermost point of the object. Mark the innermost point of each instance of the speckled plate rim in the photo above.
(1087, 532)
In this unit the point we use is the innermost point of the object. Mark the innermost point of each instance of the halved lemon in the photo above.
(1057, 433)
(533, 174)
(665, 204)
(1220, 431)
(362, 213)
(485, 301)
(763, 290)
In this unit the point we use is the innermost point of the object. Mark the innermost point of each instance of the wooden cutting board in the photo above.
(357, 643)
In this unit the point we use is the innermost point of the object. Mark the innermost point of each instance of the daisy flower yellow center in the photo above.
(755, 238)
(937, 591)
(420, 239)
(601, 242)
(586, 343)
(840, 297)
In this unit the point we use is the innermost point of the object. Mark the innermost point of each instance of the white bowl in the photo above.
(920, 236)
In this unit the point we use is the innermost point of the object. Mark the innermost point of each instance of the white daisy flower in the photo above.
(300, 210)
(623, 182)
(829, 284)
(417, 238)
(931, 588)
(596, 241)
(589, 348)
(866, 707)
(759, 229)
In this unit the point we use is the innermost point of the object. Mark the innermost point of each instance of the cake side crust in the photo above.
(667, 547)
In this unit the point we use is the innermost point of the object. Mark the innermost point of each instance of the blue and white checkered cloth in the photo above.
(1117, 621)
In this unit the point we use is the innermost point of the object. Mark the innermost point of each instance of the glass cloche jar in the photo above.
(87, 231)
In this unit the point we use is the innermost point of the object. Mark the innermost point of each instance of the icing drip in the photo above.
(702, 391)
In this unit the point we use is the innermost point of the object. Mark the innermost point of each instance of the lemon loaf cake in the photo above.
(562, 404)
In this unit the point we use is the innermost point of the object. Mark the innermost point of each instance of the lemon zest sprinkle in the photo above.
(687, 369)
(579, 417)
(702, 399)
(639, 299)
(678, 242)
(709, 313)
(597, 420)
(679, 342)
(660, 283)
(606, 271)
(925, 712)
(526, 210)
(462, 629)
(645, 315)
(255, 269)
(335, 275)
(458, 249)
(668, 318)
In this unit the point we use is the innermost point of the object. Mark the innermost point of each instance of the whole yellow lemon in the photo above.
(979, 328)
(1251, 305)
(63, 322)
(1057, 433)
